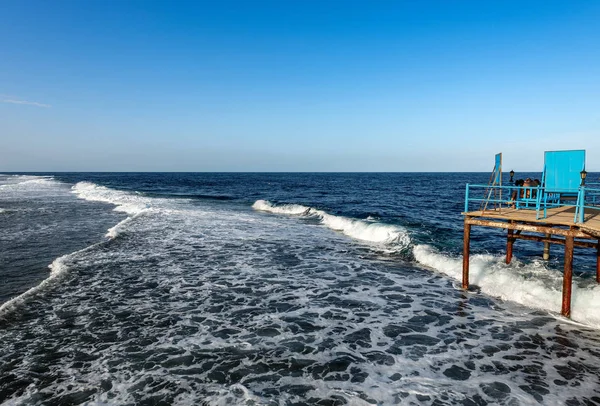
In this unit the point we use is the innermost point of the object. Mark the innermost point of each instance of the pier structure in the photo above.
(561, 210)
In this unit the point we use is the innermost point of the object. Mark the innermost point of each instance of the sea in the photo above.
(280, 289)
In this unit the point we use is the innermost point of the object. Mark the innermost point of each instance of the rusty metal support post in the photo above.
(567, 277)
(598, 262)
(466, 253)
(510, 240)
(546, 254)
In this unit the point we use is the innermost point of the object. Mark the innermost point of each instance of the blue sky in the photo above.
(296, 85)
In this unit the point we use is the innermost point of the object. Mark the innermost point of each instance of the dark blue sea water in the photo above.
(279, 289)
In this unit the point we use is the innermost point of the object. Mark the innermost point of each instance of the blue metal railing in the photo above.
(587, 198)
(536, 198)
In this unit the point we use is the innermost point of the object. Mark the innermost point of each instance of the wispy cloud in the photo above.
(15, 100)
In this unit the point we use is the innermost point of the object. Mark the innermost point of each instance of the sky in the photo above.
(307, 85)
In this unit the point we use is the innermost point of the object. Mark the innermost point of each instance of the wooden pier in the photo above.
(558, 227)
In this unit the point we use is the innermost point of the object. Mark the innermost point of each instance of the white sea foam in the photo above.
(358, 229)
(532, 285)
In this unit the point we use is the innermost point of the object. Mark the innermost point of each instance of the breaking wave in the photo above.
(20, 181)
(132, 204)
(125, 202)
(129, 203)
(358, 229)
(58, 269)
(531, 284)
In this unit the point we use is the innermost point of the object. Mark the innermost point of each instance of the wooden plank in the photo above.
(543, 229)
(567, 212)
(562, 216)
(591, 231)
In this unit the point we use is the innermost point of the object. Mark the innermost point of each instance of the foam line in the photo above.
(358, 229)
(26, 180)
(39, 181)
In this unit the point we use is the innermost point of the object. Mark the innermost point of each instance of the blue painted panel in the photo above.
(498, 169)
(562, 170)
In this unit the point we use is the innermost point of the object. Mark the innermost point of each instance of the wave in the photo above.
(130, 203)
(265, 205)
(58, 269)
(358, 229)
(26, 180)
(125, 202)
(42, 180)
(115, 230)
(532, 284)
(198, 196)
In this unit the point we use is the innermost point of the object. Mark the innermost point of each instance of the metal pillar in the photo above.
(510, 240)
(546, 255)
(598, 262)
(567, 277)
(466, 253)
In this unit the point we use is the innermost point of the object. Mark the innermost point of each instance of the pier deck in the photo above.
(560, 209)
(560, 216)
(559, 227)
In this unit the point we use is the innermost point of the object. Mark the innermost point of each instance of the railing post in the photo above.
(582, 204)
(467, 198)
(538, 202)
(576, 218)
